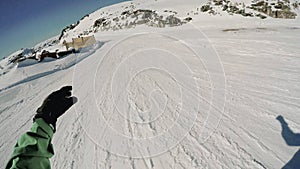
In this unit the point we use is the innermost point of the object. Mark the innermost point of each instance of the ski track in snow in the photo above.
(262, 78)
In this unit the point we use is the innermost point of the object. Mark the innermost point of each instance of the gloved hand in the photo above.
(56, 104)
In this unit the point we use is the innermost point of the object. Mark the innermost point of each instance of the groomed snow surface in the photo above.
(202, 95)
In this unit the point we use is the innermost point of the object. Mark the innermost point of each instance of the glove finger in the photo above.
(66, 88)
(66, 105)
(61, 93)
(67, 94)
(70, 101)
(66, 91)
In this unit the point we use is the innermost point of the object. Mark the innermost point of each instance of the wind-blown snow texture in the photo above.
(205, 94)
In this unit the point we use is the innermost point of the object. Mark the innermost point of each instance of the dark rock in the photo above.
(218, 2)
(261, 16)
(205, 8)
(295, 5)
(225, 7)
(147, 15)
(116, 19)
(233, 9)
(188, 19)
(173, 21)
(260, 3)
(125, 13)
(99, 22)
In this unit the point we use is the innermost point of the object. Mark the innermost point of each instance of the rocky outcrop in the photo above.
(278, 9)
(227, 6)
(132, 18)
(258, 8)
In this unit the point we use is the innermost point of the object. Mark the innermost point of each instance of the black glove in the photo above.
(56, 104)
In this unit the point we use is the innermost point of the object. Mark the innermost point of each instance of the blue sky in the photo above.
(24, 23)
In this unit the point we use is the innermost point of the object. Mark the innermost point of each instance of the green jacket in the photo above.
(33, 148)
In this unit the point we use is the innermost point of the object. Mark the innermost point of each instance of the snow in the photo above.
(202, 95)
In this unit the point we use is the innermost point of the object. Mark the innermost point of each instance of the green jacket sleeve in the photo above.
(33, 148)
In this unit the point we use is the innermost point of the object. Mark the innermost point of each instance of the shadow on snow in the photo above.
(291, 139)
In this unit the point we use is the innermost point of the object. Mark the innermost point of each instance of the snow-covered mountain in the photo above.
(168, 84)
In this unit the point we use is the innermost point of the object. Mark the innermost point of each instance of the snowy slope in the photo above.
(205, 94)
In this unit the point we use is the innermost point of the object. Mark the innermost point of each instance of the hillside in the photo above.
(168, 84)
